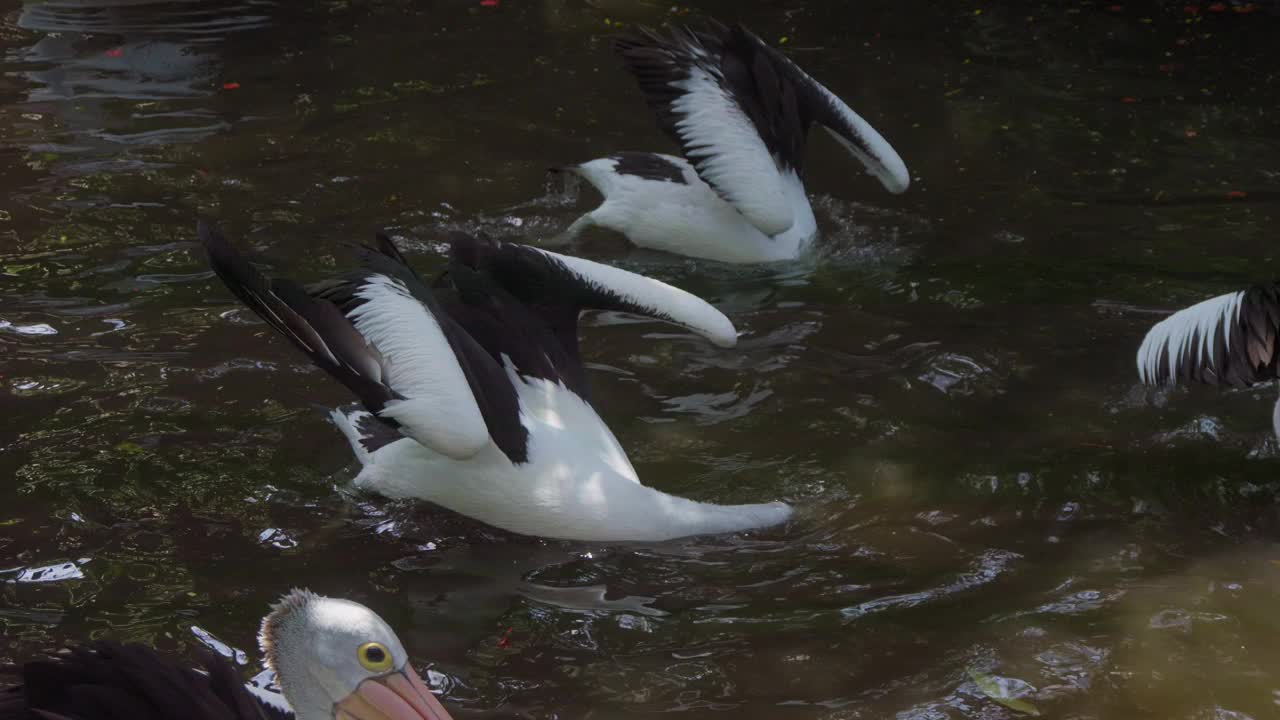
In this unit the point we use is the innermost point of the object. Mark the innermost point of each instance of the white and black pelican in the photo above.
(334, 660)
(741, 112)
(474, 395)
(1226, 340)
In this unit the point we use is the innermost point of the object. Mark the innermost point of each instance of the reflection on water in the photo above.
(995, 518)
(126, 73)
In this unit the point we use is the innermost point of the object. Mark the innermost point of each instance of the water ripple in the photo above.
(985, 569)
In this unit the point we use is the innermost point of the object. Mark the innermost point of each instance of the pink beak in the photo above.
(398, 696)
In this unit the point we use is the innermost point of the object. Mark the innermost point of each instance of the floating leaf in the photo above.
(1005, 691)
(130, 448)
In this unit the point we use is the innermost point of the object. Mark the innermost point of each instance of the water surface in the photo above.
(996, 519)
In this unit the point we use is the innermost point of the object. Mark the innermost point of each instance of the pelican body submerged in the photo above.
(472, 391)
(1225, 340)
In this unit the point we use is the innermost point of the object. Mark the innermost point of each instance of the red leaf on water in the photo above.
(230, 86)
(1218, 7)
(114, 52)
(505, 640)
(1127, 99)
(1237, 194)
(489, 3)
(1191, 133)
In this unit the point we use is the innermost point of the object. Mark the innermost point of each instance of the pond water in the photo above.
(996, 519)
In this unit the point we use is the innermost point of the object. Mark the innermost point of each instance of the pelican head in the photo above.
(337, 660)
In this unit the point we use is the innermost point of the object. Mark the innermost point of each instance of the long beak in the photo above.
(398, 696)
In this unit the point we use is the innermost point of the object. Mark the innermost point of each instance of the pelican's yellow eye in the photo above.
(375, 657)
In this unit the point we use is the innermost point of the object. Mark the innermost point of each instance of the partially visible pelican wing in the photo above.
(378, 331)
(113, 680)
(1226, 340)
(717, 106)
(263, 688)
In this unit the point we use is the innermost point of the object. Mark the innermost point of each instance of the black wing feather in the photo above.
(524, 304)
(1256, 345)
(111, 681)
(313, 324)
(323, 308)
(757, 77)
(374, 435)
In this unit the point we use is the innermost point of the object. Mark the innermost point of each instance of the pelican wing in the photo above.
(556, 284)
(729, 115)
(741, 112)
(1226, 340)
(107, 679)
(380, 333)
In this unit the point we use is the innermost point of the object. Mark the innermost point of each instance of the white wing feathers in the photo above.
(438, 408)
(728, 152)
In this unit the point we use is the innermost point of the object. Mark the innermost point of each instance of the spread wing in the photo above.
(740, 111)
(708, 101)
(553, 283)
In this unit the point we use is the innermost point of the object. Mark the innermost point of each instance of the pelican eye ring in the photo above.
(374, 657)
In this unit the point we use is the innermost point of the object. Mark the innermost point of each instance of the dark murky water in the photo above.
(996, 517)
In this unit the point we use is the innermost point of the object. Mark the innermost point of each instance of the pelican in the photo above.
(1226, 340)
(472, 391)
(334, 660)
(740, 112)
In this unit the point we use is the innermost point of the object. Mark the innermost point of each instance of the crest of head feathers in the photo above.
(285, 608)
